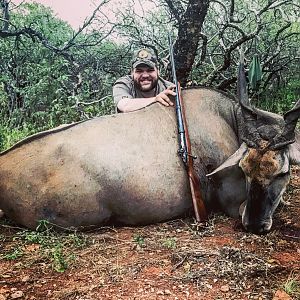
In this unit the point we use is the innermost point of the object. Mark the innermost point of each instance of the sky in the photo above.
(72, 11)
(76, 11)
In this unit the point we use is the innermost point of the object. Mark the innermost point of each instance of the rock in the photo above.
(25, 278)
(281, 295)
(225, 288)
(17, 295)
(168, 292)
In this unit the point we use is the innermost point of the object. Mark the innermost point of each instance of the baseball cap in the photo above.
(144, 56)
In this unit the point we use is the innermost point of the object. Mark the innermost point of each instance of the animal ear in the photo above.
(294, 153)
(287, 136)
(232, 160)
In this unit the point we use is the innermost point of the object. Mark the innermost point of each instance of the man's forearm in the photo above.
(127, 105)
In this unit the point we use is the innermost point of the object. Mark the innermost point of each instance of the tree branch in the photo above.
(5, 14)
(175, 8)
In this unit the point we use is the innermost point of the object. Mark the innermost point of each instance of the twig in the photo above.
(81, 103)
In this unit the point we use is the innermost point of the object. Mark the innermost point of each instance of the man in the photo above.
(144, 86)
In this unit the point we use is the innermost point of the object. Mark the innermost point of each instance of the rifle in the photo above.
(184, 150)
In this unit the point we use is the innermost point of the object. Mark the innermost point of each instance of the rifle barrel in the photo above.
(181, 131)
(185, 147)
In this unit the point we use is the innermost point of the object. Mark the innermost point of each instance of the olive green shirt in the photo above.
(125, 88)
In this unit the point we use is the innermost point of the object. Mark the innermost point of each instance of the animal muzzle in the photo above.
(257, 227)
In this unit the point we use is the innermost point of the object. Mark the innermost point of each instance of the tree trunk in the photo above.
(5, 14)
(189, 34)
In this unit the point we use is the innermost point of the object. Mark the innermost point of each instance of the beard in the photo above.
(146, 85)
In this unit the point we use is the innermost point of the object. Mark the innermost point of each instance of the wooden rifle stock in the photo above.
(198, 203)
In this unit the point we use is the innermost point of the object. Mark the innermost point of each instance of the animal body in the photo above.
(124, 168)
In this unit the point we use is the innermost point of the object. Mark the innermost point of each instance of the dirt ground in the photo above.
(172, 260)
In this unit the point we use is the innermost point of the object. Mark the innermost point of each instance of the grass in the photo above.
(60, 261)
(292, 287)
(13, 254)
(139, 240)
(46, 244)
(169, 243)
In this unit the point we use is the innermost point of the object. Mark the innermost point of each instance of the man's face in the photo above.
(145, 78)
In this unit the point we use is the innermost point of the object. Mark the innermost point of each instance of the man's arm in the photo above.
(129, 104)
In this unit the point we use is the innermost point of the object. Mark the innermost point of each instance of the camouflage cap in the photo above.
(144, 57)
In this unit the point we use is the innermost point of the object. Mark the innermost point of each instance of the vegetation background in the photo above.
(51, 74)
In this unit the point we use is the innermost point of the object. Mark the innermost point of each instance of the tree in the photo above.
(189, 25)
(211, 33)
(50, 74)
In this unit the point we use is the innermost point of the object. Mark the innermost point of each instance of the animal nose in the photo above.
(261, 228)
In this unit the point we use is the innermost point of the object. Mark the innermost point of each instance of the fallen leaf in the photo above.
(17, 295)
(32, 247)
(224, 288)
(281, 295)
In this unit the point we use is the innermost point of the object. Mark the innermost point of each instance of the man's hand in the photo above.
(164, 96)
(132, 104)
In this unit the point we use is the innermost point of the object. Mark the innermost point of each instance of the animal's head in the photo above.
(270, 147)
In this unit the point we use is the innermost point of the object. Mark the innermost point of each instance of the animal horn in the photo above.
(287, 136)
(241, 83)
(251, 136)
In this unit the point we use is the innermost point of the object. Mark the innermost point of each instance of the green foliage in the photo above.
(169, 243)
(292, 287)
(282, 99)
(57, 248)
(9, 136)
(41, 88)
(59, 260)
(139, 240)
(13, 254)
(275, 40)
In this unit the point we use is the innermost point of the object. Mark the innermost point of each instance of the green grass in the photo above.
(58, 248)
(292, 287)
(13, 254)
(169, 243)
(139, 240)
